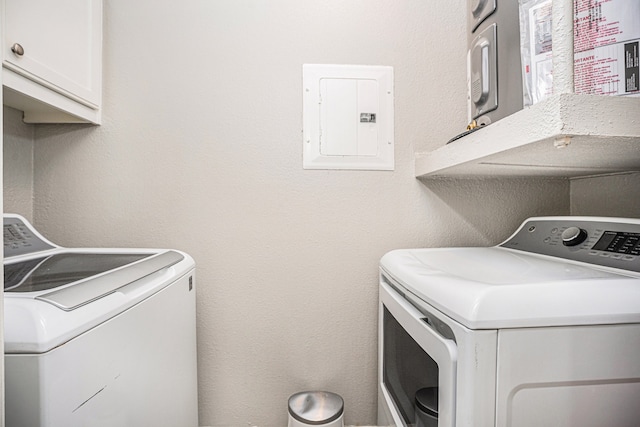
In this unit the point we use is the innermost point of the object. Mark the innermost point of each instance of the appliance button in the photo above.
(628, 258)
(616, 256)
(605, 254)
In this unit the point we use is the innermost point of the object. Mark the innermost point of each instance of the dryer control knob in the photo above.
(573, 236)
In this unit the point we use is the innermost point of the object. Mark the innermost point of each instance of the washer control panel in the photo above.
(19, 238)
(609, 242)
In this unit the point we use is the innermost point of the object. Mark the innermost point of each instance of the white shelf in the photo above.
(602, 132)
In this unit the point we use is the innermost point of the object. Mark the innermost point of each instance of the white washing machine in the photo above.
(97, 337)
(542, 330)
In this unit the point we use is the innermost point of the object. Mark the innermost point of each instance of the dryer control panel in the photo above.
(20, 238)
(609, 242)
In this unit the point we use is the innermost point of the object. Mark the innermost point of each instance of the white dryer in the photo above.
(542, 330)
(97, 337)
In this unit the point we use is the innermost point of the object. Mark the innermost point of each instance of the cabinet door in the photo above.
(61, 42)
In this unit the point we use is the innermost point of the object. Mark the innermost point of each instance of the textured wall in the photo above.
(614, 195)
(18, 164)
(200, 150)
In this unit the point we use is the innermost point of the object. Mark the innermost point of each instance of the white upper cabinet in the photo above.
(52, 59)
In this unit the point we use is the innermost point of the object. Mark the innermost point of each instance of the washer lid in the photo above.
(93, 288)
(490, 288)
(50, 272)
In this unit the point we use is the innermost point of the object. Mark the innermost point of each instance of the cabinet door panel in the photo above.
(62, 42)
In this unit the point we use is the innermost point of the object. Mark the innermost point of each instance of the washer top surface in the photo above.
(541, 283)
(53, 294)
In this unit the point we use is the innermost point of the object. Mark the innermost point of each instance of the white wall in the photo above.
(200, 150)
(18, 164)
(614, 195)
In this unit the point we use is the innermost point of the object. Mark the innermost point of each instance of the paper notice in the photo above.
(606, 44)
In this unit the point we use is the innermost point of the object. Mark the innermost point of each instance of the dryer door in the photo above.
(418, 369)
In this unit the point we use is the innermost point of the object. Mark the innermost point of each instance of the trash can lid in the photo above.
(316, 407)
(427, 400)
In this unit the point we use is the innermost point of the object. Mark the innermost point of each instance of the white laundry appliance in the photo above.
(542, 330)
(97, 337)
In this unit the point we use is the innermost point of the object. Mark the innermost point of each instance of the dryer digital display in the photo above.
(619, 242)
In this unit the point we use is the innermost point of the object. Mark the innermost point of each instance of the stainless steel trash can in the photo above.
(316, 408)
(427, 407)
